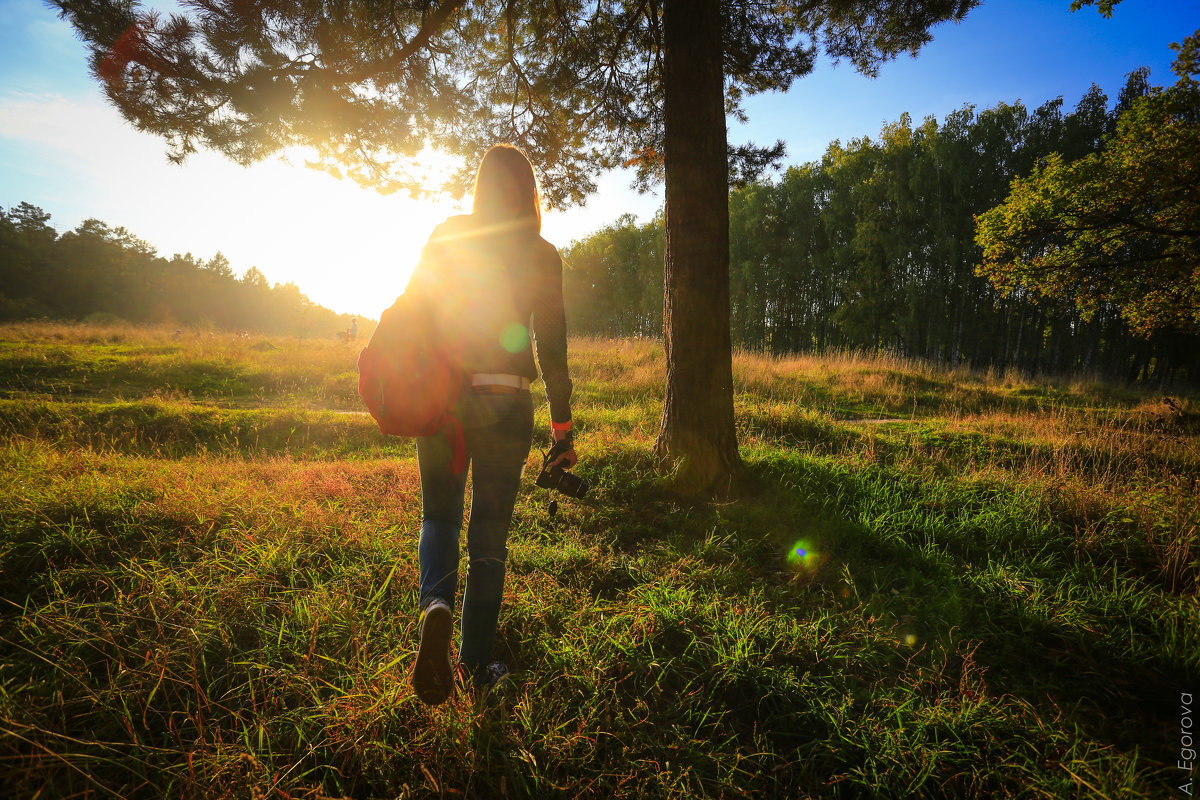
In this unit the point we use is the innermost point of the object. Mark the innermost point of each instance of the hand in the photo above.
(568, 458)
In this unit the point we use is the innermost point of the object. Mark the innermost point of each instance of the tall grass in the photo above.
(932, 583)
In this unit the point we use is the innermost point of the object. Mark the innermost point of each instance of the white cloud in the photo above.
(67, 129)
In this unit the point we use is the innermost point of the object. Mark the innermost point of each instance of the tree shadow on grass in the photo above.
(176, 430)
(1112, 670)
(123, 625)
(952, 450)
(954, 592)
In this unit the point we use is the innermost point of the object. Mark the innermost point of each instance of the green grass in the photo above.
(209, 590)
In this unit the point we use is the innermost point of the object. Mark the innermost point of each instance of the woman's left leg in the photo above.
(441, 521)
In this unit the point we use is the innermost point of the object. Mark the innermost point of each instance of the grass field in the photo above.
(929, 583)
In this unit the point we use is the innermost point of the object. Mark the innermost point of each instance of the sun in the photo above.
(345, 247)
(370, 242)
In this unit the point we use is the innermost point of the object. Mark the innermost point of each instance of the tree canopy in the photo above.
(1120, 226)
(578, 85)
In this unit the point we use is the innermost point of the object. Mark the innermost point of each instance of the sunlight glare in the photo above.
(348, 247)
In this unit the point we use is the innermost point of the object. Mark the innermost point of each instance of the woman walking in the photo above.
(492, 280)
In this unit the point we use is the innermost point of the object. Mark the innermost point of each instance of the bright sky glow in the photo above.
(63, 149)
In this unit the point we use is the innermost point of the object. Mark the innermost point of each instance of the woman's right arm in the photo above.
(550, 335)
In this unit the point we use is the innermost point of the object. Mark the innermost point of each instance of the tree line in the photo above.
(102, 272)
(874, 247)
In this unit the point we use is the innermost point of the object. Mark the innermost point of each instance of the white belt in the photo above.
(496, 379)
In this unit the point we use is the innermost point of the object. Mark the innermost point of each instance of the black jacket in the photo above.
(494, 288)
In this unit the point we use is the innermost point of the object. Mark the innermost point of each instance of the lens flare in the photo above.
(802, 556)
(515, 338)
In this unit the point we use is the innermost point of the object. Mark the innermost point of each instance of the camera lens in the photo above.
(572, 485)
(560, 480)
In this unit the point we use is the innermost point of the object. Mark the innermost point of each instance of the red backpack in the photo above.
(410, 376)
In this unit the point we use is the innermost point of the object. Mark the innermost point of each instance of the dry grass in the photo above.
(124, 361)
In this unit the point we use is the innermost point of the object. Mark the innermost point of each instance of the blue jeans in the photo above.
(499, 434)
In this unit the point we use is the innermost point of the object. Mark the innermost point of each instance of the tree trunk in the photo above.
(1016, 361)
(1007, 332)
(697, 437)
(956, 353)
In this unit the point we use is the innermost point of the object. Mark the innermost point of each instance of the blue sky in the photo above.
(1004, 51)
(62, 148)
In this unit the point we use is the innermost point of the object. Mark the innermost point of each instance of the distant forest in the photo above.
(873, 248)
(102, 273)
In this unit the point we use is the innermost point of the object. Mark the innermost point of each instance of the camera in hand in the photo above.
(559, 479)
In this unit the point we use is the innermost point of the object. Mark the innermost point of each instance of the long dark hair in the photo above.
(506, 189)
